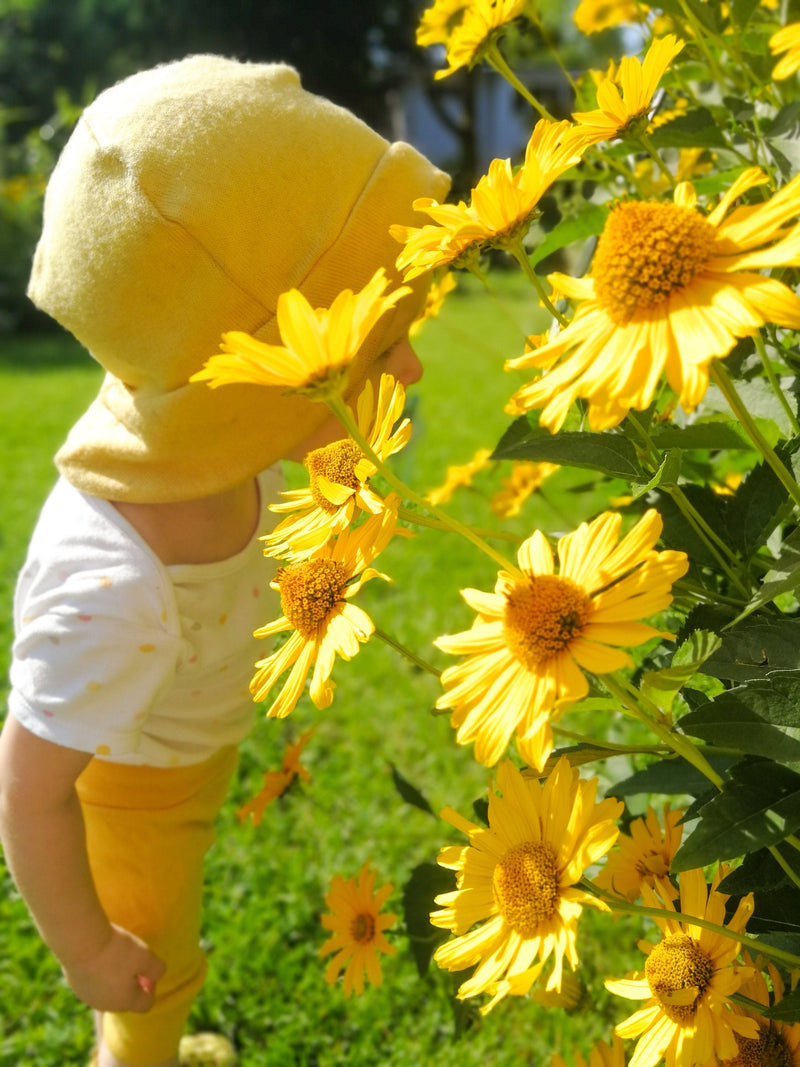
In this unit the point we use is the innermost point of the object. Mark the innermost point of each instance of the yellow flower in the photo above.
(643, 855)
(777, 1043)
(624, 113)
(318, 345)
(602, 1055)
(481, 26)
(670, 291)
(787, 40)
(339, 477)
(592, 16)
(501, 208)
(458, 476)
(526, 478)
(539, 631)
(315, 599)
(277, 782)
(687, 981)
(520, 875)
(358, 929)
(439, 20)
(433, 302)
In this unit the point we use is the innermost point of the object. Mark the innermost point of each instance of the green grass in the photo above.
(266, 886)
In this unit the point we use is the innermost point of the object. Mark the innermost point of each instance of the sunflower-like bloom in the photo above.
(459, 476)
(483, 23)
(501, 209)
(602, 1055)
(339, 477)
(621, 114)
(592, 16)
(439, 20)
(787, 40)
(671, 289)
(777, 1043)
(688, 979)
(526, 477)
(644, 855)
(277, 782)
(520, 875)
(315, 598)
(318, 344)
(539, 631)
(358, 929)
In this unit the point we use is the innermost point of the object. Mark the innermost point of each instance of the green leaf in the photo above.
(755, 509)
(761, 718)
(784, 576)
(759, 806)
(410, 793)
(426, 882)
(711, 435)
(758, 871)
(670, 777)
(679, 534)
(755, 648)
(666, 475)
(662, 686)
(776, 910)
(786, 1010)
(742, 11)
(609, 452)
(695, 129)
(588, 223)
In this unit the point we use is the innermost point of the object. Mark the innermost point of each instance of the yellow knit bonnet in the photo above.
(188, 198)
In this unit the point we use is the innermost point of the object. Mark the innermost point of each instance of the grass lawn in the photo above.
(266, 886)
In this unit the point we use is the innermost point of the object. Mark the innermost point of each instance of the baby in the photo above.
(187, 199)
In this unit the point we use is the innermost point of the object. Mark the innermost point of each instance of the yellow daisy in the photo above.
(787, 40)
(592, 16)
(339, 477)
(318, 344)
(518, 878)
(539, 631)
(688, 979)
(482, 25)
(619, 114)
(458, 476)
(434, 301)
(777, 1044)
(526, 478)
(358, 929)
(602, 1055)
(439, 20)
(643, 855)
(315, 598)
(277, 782)
(671, 289)
(501, 209)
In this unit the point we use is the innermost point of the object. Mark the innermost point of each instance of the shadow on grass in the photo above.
(47, 350)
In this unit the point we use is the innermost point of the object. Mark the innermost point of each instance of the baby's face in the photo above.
(400, 361)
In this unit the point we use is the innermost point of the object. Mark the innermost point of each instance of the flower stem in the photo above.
(495, 59)
(345, 416)
(407, 653)
(775, 384)
(625, 907)
(722, 380)
(787, 869)
(635, 704)
(518, 252)
(434, 524)
(650, 148)
(713, 543)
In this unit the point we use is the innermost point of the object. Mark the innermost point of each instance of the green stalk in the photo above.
(434, 524)
(518, 252)
(345, 416)
(495, 59)
(624, 907)
(407, 653)
(650, 148)
(761, 348)
(722, 380)
(784, 865)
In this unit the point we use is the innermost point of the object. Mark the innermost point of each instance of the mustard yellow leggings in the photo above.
(147, 832)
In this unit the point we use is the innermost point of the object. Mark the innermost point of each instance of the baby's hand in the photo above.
(121, 976)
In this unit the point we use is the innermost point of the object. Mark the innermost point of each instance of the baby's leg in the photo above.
(108, 1059)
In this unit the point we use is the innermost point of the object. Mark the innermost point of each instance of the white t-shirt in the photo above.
(121, 656)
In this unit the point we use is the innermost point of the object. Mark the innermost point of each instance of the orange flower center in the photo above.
(542, 616)
(525, 887)
(678, 963)
(309, 592)
(336, 462)
(362, 928)
(645, 253)
(769, 1049)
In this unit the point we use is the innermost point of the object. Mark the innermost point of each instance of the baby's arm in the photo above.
(41, 827)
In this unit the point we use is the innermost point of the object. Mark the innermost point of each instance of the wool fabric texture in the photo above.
(187, 199)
